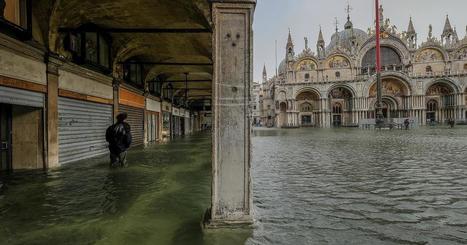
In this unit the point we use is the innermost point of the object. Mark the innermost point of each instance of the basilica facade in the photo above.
(336, 85)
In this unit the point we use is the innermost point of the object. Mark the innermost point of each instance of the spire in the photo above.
(348, 24)
(265, 74)
(320, 36)
(411, 28)
(290, 48)
(447, 27)
(289, 40)
(320, 45)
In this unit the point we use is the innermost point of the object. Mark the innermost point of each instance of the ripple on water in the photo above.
(347, 186)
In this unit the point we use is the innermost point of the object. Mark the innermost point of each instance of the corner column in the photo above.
(231, 155)
(52, 112)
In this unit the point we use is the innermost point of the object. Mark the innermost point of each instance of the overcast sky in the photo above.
(303, 17)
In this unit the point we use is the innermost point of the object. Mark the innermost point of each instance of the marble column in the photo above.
(231, 203)
(53, 64)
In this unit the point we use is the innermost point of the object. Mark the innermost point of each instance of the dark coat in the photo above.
(119, 137)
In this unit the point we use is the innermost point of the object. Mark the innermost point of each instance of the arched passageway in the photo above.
(441, 102)
(341, 103)
(308, 102)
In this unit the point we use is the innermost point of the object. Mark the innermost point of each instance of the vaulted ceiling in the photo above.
(171, 37)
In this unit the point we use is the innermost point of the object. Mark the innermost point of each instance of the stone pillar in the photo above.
(116, 97)
(231, 202)
(52, 112)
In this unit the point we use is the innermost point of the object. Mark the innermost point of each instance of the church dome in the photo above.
(346, 37)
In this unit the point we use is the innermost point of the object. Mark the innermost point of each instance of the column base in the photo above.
(244, 222)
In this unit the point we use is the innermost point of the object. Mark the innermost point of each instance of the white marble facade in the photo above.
(336, 85)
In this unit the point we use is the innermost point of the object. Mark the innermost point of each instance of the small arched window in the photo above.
(432, 105)
(337, 108)
(307, 77)
(338, 74)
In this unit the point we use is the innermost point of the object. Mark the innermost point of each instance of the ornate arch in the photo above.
(394, 76)
(334, 62)
(392, 42)
(423, 56)
(306, 64)
(307, 89)
(446, 81)
(460, 53)
(349, 88)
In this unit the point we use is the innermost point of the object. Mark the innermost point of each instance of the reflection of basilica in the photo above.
(336, 86)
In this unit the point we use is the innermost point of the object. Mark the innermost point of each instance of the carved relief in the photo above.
(338, 62)
(461, 54)
(306, 65)
(341, 93)
(429, 55)
(439, 89)
(390, 87)
(307, 95)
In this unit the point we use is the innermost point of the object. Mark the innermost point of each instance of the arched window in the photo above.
(337, 108)
(429, 69)
(432, 105)
(390, 58)
(306, 107)
(307, 77)
(338, 74)
(89, 45)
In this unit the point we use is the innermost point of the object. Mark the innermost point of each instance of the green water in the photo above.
(159, 199)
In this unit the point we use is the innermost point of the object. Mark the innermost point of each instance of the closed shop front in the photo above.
(81, 129)
(176, 122)
(21, 126)
(133, 104)
(153, 109)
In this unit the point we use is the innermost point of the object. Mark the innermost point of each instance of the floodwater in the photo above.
(159, 199)
(311, 186)
(350, 186)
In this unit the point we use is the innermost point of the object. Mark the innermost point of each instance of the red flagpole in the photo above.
(378, 36)
(379, 100)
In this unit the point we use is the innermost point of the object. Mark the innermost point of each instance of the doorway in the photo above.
(337, 120)
(5, 137)
(306, 121)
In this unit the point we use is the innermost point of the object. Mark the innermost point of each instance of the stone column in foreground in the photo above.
(53, 64)
(233, 61)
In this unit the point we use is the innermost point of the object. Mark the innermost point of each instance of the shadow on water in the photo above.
(159, 199)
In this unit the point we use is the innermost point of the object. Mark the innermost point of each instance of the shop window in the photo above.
(15, 18)
(90, 47)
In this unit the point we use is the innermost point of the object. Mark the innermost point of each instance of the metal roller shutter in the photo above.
(82, 127)
(136, 121)
(21, 97)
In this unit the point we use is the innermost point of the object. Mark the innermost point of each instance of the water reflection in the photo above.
(347, 186)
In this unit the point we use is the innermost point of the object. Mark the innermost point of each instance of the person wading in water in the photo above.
(119, 138)
(407, 124)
